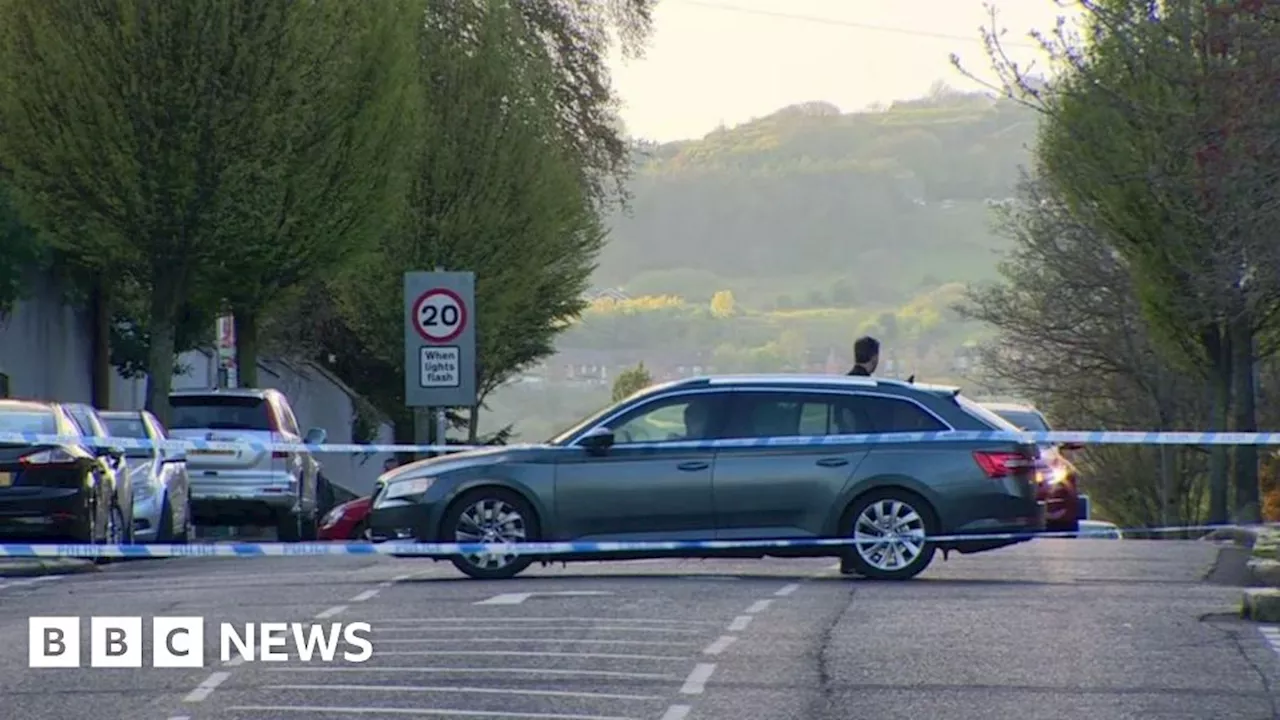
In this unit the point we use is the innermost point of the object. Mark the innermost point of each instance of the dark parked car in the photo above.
(55, 492)
(684, 461)
(1057, 477)
(91, 425)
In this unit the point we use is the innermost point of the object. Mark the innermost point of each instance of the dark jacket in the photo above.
(859, 370)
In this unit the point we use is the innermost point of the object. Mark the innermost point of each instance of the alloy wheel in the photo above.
(493, 522)
(889, 534)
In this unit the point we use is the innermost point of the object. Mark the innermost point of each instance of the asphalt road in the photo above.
(1052, 630)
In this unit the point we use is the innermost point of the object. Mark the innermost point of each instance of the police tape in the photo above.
(400, 548)
(1092, 437)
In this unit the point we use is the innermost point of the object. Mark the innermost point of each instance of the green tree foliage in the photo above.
(722, 304)
(630, 382)
(22, 252)
(141, 135)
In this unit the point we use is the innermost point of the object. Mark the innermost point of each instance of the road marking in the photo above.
(470, 690)
(236, 661)
(1272, 635)
(697, 680)
(740, 623)
(336, 609)
(472, 629)
(787, 590)
(676, 712)
(515, 640)
(478, 671)
(420, 712)
(520, 653)
(579, 619)
(720, 645)
(206, 688)
(366, 595)
(180, 717)
(759, 606)
(517, 598)
(713, 578)
(401, 578)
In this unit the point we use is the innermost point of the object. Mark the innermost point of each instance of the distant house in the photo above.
(614, 294)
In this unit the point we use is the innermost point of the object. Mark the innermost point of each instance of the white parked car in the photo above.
(1100, 529)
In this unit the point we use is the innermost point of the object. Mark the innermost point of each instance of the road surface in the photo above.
(1052, 630)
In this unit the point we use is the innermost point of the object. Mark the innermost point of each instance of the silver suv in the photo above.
(248, 487)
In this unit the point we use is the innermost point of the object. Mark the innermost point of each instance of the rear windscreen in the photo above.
(126, 428)
(1025, 419)
(991, 419)
(220, 413)
(26, 421)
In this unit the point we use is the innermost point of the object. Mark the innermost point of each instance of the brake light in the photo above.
(56, 456)
(1002, 464)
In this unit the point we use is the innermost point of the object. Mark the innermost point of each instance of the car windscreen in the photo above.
(219, 413)
(126, 427)
(28, 421)
(1025, 419)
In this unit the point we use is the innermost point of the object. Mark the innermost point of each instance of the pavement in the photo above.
(1048, 630)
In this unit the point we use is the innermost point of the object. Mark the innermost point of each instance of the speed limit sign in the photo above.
(439, 315)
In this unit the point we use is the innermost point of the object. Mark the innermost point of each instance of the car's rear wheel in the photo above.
(888, 525)
(490, 516)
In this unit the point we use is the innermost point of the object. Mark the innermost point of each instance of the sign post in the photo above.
(439, 342)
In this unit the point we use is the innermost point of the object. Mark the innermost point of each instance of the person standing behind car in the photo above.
(866, 356)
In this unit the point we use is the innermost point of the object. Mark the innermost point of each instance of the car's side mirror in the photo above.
(315, 436)
(598, 441)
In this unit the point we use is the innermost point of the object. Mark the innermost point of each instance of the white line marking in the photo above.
(676, 712)
(472, 629)
(471, 690)
(401, 578)
(697, 680)
(517, 598)
(787, 590)
(180, 717)
(491, 620)
(421, 712)
(336, 609)
(740, 623)
(758, 606)
(518, 640)
(506, 599)
(206, 688)
(720, 645)
(478, 671)
(236, 661)
(520, 653)
(366, 595)
(713, 578)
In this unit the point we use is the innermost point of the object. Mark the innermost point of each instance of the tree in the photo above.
(134, 135)
(722, 303)
(1158, 137)
(631, 381)
(493, 188)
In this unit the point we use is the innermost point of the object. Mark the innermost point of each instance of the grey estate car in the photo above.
(677, 461)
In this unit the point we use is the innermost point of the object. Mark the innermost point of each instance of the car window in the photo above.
(127, 427)
(681, 418)
(758, 415)
(858, 414)
(28, 421)
(224, 412)
(1028, 420)
(84, 421)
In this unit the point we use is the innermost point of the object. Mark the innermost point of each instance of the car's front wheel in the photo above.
(887, 526)
(492, 516)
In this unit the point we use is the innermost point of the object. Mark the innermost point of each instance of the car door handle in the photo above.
(694, 465)
(833, 462)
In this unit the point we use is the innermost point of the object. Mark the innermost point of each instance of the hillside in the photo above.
(809, 207)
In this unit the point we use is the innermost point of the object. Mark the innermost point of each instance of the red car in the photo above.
(1057, 476)
(348, 521)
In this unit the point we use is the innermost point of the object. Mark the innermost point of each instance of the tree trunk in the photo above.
(1220, 386)
(100, 353)
(473, 425)
(402, 429)
(163, 316)
(246, 322)
(1248, 503)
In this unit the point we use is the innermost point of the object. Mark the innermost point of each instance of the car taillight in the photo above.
(56, 456)
(1002, 464)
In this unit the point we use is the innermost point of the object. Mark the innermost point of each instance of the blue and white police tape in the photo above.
(1090, 437)
(540, 549)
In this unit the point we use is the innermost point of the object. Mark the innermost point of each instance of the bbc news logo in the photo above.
(178, 642)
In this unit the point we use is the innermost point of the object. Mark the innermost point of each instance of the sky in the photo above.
(714, 62)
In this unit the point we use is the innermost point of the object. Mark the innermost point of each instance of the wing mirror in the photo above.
(315, 436)
(598, 441)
